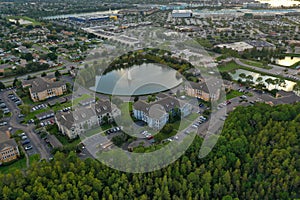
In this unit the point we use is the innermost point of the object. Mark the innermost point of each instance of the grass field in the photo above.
(229, 67)
(97, 130)
(81, 98)
(233, 93)
(256, 64)
(19, 164)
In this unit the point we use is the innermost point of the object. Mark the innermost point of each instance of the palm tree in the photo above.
(259, 79)
(297, 88)
(269, 81)
(249, 80)
(242, 75)
(282, 82)
(276, 83)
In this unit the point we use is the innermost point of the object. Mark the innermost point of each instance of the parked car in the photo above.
(228, 102)
(3, 123)
(25, 142)
(21, 134)
(243, 97)
(24, 137)
(28, 147)
(202, 118)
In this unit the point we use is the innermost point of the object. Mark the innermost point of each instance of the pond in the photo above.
(137, 80)
(288, 86)
(288, 61)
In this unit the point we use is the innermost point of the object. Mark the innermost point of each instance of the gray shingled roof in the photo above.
(199, 86)
(168, 103)
(103, 107)
(8, 143)
(41, 84)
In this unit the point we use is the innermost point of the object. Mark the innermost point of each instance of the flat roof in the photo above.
(182, 11)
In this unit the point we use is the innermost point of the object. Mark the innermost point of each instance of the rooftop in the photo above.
(41, 84)
(8, 143)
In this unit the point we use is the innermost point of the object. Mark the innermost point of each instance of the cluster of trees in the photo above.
(256, 157)
(149, 56)
(265, 55)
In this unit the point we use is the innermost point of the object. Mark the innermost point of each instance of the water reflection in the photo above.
(138, 80)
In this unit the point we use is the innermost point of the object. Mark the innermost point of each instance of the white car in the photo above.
(195, 126)
(144, 132)
(28, 147)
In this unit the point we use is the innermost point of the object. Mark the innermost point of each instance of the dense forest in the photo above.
(256, 157)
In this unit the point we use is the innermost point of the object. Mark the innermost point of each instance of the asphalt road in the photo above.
(276, 70)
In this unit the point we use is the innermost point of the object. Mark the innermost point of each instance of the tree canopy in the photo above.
(256, 157)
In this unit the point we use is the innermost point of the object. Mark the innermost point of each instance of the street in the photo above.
(14, 122)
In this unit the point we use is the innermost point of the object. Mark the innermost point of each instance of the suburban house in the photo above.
(157, 114)
(201, 91)
(9, 150)
(42, 88)
(74, 123)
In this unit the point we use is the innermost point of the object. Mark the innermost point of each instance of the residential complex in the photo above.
(157, 114)
(74, 123)
(9, 150)
(201, 91)
(42, 88)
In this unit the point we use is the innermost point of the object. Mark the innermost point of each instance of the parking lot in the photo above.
(14, 123)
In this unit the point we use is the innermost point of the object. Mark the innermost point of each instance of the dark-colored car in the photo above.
(25, 142)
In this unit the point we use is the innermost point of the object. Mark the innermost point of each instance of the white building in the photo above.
(156, 114)
(76, 122)
(237, 46)
(182, 14)
(256, 5)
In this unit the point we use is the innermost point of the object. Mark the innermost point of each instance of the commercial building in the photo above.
(182, 14)
(237, 46)
(256, 5)
(42, 88)
(157, 114)
(172, 7)
(90, 18)
(261, 44)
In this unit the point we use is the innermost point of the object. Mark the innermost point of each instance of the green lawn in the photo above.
(19, 164)
(186, 122)
(81, 98)
(230, 66)
(233, 93)
(97, 130)
(34, 158)
(55, 108)
(256, 64)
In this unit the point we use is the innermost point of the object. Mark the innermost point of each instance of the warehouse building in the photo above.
(182, 14)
